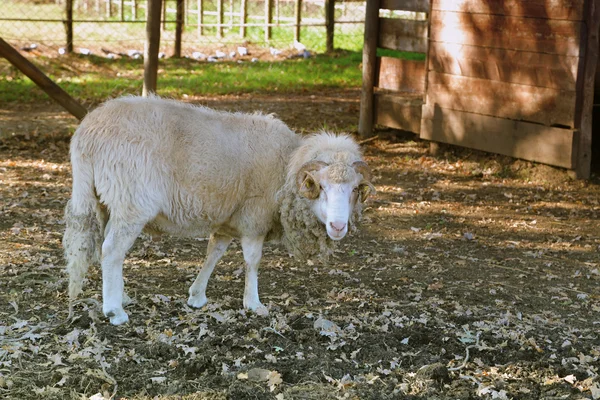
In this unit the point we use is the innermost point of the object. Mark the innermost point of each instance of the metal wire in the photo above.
(40, 26)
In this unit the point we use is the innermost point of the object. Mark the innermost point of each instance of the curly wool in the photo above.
(82, 242)
(303, 234)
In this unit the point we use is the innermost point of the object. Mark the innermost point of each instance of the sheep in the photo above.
(161, 166)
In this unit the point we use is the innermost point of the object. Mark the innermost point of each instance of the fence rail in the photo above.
(187, 25)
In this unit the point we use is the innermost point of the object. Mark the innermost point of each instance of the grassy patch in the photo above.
(93, 79)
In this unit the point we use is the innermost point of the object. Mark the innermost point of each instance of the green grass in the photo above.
(94, 79)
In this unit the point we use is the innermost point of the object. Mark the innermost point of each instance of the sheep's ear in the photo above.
(362, 168)
(309, 187)
(306, 183)
(365, 189)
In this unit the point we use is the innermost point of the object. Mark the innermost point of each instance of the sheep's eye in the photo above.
(355, 190)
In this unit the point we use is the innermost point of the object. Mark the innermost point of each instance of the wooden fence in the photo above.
(194, 13)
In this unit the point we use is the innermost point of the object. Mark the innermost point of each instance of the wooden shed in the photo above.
(514, 77)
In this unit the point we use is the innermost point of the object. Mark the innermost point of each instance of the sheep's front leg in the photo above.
(116, 244)
(252, 248)
(217, 245)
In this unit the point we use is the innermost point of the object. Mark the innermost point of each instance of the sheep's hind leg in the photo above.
(217, 246)
(119, 238)
(252, 248)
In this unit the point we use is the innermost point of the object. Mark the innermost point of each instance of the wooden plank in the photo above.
(597, 84)
(153, 13)
(584, 117)
(406, 5)
(369, 59)
(514, 66)
(400, 75)
(398, 112)
(45, 83)
(507, 100)
(512, 33)
(403, 34)
(549, 9)
(534, 142)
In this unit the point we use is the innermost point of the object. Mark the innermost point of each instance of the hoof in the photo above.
(262, 311)
(197, 301)
(257, 307)
(126, 300)
(117, 317)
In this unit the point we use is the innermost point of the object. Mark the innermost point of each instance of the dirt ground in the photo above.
(473, 276)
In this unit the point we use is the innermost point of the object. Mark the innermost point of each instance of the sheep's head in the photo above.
(334, 190)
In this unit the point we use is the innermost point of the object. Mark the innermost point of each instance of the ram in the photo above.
(167, 167)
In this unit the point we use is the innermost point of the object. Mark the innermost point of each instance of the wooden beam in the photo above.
(220, 18)
(134, 8)
(45, 83)
(583, 121)
(369, 59)
(297, 18)
(406, 5)
(513, 66)
(546, 9)
(403, 34)
(329, 23)
(399, 111)
(268, 19)
(511, 33)
(534, 142)
(200, 17)
(243, 17)
(400, 75)
(69, 25)
(180, 18)
(151, 46)
(550, 107)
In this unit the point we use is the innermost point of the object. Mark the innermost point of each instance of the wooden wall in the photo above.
(503, 77)
(393, 88)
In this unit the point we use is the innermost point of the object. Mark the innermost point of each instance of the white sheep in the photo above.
(168, 167)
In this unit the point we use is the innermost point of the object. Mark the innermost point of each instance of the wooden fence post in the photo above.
(585, 89)
(366, 120)
(108, 8)
(69, 25)
(153, 13)
(45, 83)
(134, 15)
(298, 19)
(243, 18)
(268, 18)
(178, 28)
(220, 18)
(200, 17)
(329, 23)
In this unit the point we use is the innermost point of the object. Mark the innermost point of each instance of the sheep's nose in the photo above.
(337, 226)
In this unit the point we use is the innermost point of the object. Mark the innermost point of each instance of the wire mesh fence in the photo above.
(209, 28)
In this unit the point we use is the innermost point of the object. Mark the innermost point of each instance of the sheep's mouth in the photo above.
(337, 235)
